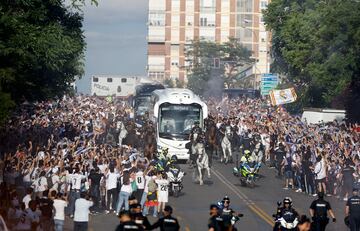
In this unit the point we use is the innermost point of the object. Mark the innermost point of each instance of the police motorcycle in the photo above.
(229, 216)
(286, 218)
(175, 177)
(247, 171)
(173, 172)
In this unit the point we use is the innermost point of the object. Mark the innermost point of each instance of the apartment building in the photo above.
(172, 24)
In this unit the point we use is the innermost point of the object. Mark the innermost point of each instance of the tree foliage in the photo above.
(316, 44)
(41, 49)
(214, 64)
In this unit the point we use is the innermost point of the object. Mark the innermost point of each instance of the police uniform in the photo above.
(227, 215)
(320, 219)
(354, 212)
(167, 223)
(128, 226)
(216, 223)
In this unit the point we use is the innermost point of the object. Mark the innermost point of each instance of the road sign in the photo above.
(268, 83)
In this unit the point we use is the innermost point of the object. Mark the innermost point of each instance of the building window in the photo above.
(123, 80)
(156, 18)
(203, 21)
(263, 4)
(95, 79)
(119, 89)
(109, 80)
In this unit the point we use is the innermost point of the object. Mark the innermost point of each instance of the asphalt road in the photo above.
(257, 204)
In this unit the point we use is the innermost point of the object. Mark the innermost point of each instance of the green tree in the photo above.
(214, 64)
(316, 45)
(41, 49)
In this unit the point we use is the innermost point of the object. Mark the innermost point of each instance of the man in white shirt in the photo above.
(81, 214)
(27, 198)
(140, 183)
(163, 191)
(40, 184)
(75, 180)
(111, 184)
(59, 206)
(320, 174)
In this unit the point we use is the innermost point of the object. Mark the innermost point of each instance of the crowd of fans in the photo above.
(311, 157)
(64, 159)
(67, 155)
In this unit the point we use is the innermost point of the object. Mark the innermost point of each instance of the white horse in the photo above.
(120, 127)
(226, 145)
(202, 163)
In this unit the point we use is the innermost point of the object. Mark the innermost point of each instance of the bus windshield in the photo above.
(176, 120)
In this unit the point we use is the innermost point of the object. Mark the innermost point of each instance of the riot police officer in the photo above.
(216, 222)
(352, 210)
(167, 223)
(319, 210)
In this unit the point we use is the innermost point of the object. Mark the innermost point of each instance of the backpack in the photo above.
(152, 185)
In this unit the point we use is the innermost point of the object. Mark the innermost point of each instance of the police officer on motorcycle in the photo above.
(228, 215)
(216, 222)
(319, 210)
(247, 158)
(287, 213)
(352, 210)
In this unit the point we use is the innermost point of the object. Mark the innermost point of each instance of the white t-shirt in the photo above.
(320, 170)
(40, 184)
(163, 186)
(59, 206)
(111, 180)
(76, 181)
(81, 213)
(26, 200)
(140, 180)
(126, 187)
(55, 180)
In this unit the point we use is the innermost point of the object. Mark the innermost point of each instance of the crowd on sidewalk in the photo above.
(65, 159)
(308, 156)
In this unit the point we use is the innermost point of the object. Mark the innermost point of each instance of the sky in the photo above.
(115, 33)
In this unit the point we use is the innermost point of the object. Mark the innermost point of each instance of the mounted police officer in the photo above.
(319, 210)
(196, 136)
(352, 210)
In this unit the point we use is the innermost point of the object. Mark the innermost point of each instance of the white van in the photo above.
(319, 115)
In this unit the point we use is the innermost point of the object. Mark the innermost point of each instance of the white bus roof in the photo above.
(178, 96)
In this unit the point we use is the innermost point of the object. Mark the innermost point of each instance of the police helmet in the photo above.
(226, 198)
(287, 200)
(174, 158)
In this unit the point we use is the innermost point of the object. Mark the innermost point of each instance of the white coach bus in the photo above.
(175, 111)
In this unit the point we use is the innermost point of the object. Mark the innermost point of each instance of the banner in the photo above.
(284, 96)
